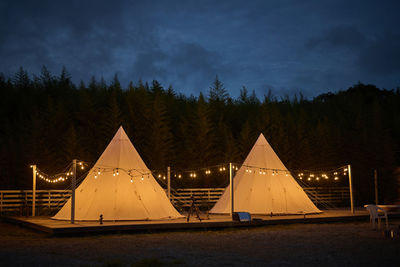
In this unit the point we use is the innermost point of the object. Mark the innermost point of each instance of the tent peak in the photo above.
(261, 140)
(120, 134)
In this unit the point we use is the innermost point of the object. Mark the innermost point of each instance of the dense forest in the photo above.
(47, 120)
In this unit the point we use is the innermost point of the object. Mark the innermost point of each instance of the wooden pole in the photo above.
(231, 189)
(73, 185)
(351, 189)
(376, 186)
(169, 183)
(33, 189)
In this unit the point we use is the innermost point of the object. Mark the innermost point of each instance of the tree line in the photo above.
(48, 120)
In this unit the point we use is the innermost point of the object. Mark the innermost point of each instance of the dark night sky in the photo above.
(288, 46)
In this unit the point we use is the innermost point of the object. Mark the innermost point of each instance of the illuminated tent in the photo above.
(124, 190)
(263, 185)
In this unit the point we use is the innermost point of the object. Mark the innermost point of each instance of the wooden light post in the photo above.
(33, 189)
(351, 190)
(376, 186)
(73, 185)
(231, 189)
(169, 183)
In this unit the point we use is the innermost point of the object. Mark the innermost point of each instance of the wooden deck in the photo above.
(56, 227)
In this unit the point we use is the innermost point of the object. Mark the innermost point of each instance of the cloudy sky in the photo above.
(287, 46)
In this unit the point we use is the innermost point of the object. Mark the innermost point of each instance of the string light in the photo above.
(60, 177)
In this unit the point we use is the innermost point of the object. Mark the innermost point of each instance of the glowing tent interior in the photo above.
(120, 187)
(263, 185)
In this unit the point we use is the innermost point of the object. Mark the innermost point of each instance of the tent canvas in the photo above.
(273, 191)
(133, 194)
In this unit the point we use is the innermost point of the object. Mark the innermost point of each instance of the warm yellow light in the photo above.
(159, 176)
(309, 179)
(164, 177)
(82, 167)
(131, 180)
(311, 175)
(317, 178)
(335, 173)
(194, 175)
(95, 176)
(336, 178)
(179, 176)
(114, 174)
(345, 170)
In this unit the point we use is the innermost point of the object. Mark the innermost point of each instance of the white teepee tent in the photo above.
(267, 192)
(133, 194)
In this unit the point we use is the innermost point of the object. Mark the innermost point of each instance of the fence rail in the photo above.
(21, 200)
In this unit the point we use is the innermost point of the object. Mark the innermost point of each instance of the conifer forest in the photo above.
(48, 120)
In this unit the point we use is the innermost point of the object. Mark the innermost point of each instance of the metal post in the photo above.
(231, 188)
(351, 189)
(169, 183)
(73, 181)
(33, 189)
(376, 186)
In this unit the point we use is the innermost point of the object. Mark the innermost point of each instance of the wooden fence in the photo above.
(21, 200)
(324, 197)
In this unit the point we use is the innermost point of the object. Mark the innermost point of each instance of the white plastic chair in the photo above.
(374, 215)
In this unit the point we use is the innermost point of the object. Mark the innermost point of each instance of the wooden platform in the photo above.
(56, 227)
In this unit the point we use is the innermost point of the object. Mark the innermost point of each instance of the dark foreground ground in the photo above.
(335, 244)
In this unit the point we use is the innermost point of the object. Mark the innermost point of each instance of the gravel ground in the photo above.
(334, 244)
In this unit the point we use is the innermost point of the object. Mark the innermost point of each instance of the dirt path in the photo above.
(347, 244)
